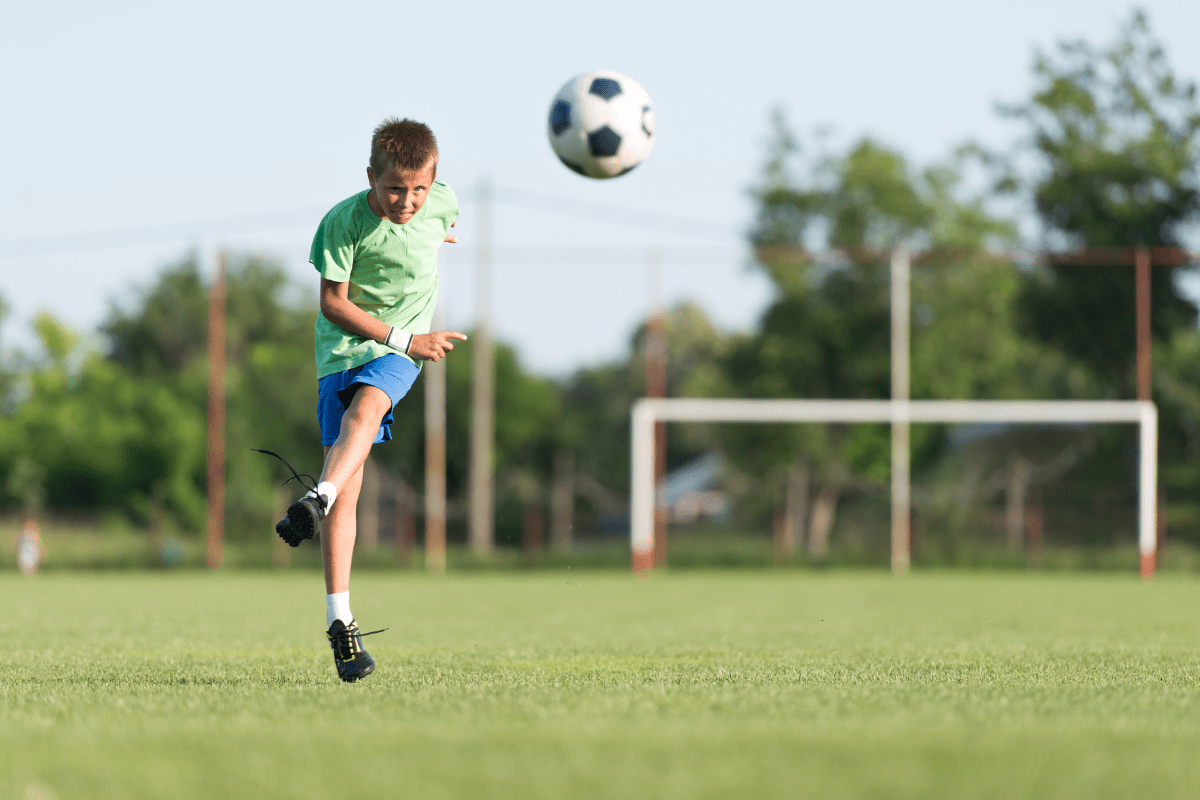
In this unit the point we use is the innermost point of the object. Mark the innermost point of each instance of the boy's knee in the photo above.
(369, 406)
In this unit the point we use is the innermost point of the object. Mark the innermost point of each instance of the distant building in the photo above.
(694, 493)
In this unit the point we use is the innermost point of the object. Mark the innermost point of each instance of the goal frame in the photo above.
(899, 413)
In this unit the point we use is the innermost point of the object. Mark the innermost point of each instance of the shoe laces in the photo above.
(348, 641)
(299, 478)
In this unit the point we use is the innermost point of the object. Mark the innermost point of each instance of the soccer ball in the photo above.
(601, 124)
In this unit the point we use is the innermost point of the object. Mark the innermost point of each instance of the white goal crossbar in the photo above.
(899, 413)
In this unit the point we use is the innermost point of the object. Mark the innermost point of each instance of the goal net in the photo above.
(899, 414)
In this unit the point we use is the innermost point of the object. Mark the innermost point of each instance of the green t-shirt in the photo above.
(392, 270)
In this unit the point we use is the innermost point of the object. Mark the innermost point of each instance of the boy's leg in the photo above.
(338, 531)
(344, 462)
(360, 425)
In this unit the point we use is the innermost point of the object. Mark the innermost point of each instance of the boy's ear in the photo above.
(371, 177)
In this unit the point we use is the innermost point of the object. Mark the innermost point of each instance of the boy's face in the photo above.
(397, 195)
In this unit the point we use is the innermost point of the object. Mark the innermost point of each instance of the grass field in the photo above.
(564, 685)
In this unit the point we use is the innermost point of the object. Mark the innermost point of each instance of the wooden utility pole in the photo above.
(1141, 259)
(901, 491)
(533, 524)
(483, 394)
(562, 502)
(404, 522)
(157, 523)
(216, 417)
(1034, 522)
(435, 461)
(367, 516)
(795, 510)
(656, 386)
(1141, 262)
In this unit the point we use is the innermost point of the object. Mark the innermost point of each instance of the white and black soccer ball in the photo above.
(602, 124)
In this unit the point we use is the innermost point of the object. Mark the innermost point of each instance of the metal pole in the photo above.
(901, 488)
(562, 502)
(216, 417)
(1145, 374)
(641, 483)
(482, 535)
(1148, 492)
(435, 460)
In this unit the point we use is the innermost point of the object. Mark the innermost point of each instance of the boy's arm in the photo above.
(338, 309)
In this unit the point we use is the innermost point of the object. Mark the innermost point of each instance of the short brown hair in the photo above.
(402, 143)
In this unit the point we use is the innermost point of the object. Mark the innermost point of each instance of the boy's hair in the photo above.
(403, 143)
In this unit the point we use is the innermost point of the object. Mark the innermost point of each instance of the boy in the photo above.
(377, 256)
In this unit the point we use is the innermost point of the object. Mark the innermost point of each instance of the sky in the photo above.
(134, 133)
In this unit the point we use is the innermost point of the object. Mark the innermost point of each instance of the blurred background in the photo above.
(1022, 156)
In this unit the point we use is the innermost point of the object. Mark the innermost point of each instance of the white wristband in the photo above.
(399, 340)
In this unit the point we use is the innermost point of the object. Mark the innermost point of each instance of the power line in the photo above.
(277, 220)
(616, 215)
(573, 254)
(152, 234)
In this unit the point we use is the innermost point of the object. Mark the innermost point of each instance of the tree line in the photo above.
(1108, 159)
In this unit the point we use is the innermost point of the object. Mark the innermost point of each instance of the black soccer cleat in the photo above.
(304, 516)
(303, 520)
(348, 655)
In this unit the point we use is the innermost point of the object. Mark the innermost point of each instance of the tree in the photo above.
(7, 378)
(596, 402)
(103, 436)
(1115, 137)
(827, 333)
(161, 339)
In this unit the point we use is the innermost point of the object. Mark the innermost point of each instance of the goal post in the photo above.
(899, 413)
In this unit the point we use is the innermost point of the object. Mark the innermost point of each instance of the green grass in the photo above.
(564, 685)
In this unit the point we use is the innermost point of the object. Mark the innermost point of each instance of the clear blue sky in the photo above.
(128, 115)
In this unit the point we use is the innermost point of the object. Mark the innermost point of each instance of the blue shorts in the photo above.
(393, 373)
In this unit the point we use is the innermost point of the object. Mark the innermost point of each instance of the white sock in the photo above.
(326, 490)
(337, 606)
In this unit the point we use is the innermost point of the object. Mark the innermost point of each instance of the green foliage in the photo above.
(874, 202)
(868, 197)
(596, 400)
(7, 372)
(103, 436)
(1116, 138)
(827, 333)
(165, 332)
(1177, 393)
(27, 484)
(1116, 133)
(527, 417)
(113, 432)
(967, 340)
(1113, 139)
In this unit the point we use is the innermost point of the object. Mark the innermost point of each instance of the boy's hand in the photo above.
(450, 237)
(433, 346)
